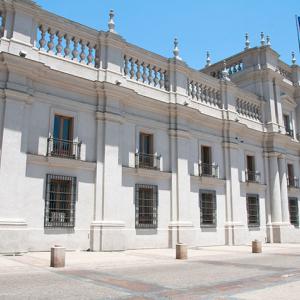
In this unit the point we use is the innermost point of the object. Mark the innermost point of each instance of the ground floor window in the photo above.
(60, 201)
(208, 208)
(146, 206)
(294, 213)
(253, 210)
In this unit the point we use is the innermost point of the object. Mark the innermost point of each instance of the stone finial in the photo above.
(111, 22)
(176, 49)
(225, 74)
(247, 42)
(293, 58)
(268, 40)
(208, 60)
(262, 39)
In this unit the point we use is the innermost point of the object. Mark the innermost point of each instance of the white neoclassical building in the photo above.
(107, 146)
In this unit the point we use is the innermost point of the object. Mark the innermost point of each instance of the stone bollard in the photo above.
(57, 257)
(256, 246)
(181, 251)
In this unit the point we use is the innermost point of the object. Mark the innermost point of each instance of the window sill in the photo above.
(146, 172)
(52, 161)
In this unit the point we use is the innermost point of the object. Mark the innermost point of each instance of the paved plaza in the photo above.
(210, 273)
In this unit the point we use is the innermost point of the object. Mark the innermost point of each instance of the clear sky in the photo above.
(215, 25)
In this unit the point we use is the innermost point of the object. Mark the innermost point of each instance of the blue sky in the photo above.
(200, 25)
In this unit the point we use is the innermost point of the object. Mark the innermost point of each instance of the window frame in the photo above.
(48, 199)
(296, 223)
(138, 206)
(257, 223)
(214, 208)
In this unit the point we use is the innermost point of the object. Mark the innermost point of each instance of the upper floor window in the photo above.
(253, 210)
(145, 158)
(207, 168)
(294, 213)
(287, 125)
(208, 208)
(146, 201)
(60, 201)
(292, 180)
(251, 174)
(62, 144)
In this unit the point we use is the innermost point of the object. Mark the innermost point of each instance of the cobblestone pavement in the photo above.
(209, 273)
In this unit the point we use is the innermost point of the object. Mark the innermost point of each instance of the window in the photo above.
(208, 208)
(60, 201)
(287, 125)
(206, 166)
(292, 181)
(253, 210)
(293, 209)
(251, 173)
(146, 206)
(62, 136)
(145, 158)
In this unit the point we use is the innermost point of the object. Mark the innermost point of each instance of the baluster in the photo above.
(200, 92)
(138, 70)
(155, 76)
(131, 68)
(82, 53)
(126, 69)
(67, 48)
(197, 91)
(75, 51)
(144, 75)
(51, 40)
(167, 83)
(97, 56)
(209, 96)
(90, 56)
(42, 41)
(193, 90)
(219, 100)
(150, 77)
(161, 78)
(214, 98)
(238, 105)
(59, 46)
(240, 66)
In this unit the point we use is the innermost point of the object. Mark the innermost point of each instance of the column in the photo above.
(283, 189)
(275, 192)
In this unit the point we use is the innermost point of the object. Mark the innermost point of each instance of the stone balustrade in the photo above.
(204, 93)
(248, 109)
(139, 70)
(63, 43)
(284, 70)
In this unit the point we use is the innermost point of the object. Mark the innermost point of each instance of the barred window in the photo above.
(294, 213)
(145, 206)
(60, 201)
(253, 210)
(208, 208)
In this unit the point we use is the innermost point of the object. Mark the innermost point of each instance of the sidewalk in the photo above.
(222, 272)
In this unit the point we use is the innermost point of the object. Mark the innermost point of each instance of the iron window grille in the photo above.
(252, 176)
(63, 148)
(60, 201)
(208, 208)
(293, 182)
(253, 210)
(208, 170)
(294, 212)
(147, 161)
(146, 202)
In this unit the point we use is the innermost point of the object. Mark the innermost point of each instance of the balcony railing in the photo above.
(293, 182)
(147, 161)
(289, 132)
(252, 176)
(63, 148)
(208, 170)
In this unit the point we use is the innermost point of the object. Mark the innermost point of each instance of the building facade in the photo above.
(107, 146)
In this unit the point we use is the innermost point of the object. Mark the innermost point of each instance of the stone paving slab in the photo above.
(209, 273)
